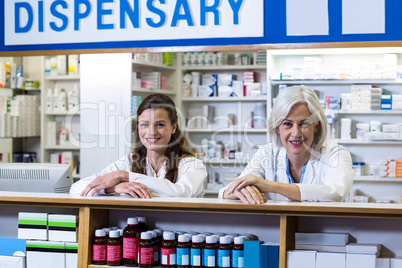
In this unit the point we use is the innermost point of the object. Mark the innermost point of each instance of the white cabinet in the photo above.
(356, 66)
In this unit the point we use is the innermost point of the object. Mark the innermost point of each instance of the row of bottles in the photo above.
(136, 246)
(60, 100)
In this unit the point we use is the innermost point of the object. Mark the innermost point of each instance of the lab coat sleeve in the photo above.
(190, 182)
(257, 165)
(337, 181)
(121, 164)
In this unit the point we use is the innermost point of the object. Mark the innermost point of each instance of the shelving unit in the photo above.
(249, 138)
(275, 221)
(369, 151)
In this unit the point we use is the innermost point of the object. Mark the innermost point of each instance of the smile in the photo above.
(296, 143)
(152, 140)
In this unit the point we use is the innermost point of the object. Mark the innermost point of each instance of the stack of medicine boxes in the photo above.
(365, 97)
(51, 239)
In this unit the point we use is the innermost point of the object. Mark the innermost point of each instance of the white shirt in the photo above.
(190, 179)
(328, 175)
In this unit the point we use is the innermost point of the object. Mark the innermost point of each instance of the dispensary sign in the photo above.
(93, 24)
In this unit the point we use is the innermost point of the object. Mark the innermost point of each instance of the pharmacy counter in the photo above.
(94, 212)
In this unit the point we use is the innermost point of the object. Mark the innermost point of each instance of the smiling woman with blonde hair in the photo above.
(299, 164)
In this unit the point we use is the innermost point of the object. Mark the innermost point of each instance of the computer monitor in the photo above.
(35, 177)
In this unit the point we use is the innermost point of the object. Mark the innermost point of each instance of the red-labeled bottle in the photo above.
(145, 251)
(99, 248)
(131, 238)
(157, 247)
(114, 249)
(168, 246)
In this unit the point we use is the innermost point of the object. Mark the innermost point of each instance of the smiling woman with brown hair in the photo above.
(299, 164)
(159, 165)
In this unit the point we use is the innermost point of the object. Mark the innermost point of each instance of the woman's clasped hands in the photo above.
(247, 189)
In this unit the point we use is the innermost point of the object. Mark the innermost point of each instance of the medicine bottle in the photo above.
(131, 238)
(156, 246)
(145, 251)
(183, 252)
(107, 230)
(209, 256)
(142, 223)
(114, 249)
(196, 251)
(159, 235)
(225, 247)
(99, 248)
(238, 252)
(168, 246)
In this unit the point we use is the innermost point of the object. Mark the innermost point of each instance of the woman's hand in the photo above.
(135, 189)
(106, 182)
(248, 194)
(244, 181)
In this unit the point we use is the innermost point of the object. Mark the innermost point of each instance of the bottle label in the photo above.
(99, 252)
(113, 253)
(195, 256)
(237, 258)
(130, 247)
(156, 253)
(183, 256)
(146, 255)
(209, 257)
(168, 256)
(223, 258)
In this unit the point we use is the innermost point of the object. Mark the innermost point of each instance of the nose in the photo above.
(296, 131)
(152, 129)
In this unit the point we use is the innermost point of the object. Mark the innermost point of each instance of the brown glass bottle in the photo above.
(142, 223)
(114, 249)
(224, 250)
(168, 249)
(145, 251)
(210, 248)
(131, 238)
(238, 252)
(157, 247)
(99, 248)
(196, 251)
(183, 252)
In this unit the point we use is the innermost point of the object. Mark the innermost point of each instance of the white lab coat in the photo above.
(328, 175)
(190, 182)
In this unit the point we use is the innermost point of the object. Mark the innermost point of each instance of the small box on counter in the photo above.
(62, 227)
(32, 225)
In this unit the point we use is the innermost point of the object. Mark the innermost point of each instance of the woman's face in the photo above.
(155, 129)
(297, 130)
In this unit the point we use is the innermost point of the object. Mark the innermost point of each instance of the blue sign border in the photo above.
(274, 32)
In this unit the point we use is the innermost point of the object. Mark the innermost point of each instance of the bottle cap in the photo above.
(114, 234)
(153, 233)
(159, 231)
(206, 233)
(234, 234)
(204, 237)
(142, 219)
(180, 232)
(100, 233)
(225, 240)
(115, 228)
(239, 240)
(197, 239)
(168, 236)
(193, 233)
(120, 231)
(183, 238)
(245, 237)
(146, 235)
(220, 234)
(231, 238)
(132, 221)
(211, 239)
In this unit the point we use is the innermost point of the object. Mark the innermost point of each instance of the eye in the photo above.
(304, 124)
(160, 125)
(144, 125)
(287, 124)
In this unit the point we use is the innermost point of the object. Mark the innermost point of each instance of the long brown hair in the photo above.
(176, 148)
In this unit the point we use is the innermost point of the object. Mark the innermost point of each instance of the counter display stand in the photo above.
(362, 221)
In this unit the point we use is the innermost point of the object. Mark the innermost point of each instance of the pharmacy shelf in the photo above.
(223, 67)
(337, 81)
(370, 112)
(152, 64)
(376, 179)
(62, 113)
(225, 130)
(60, 147)
(150, 91)
(19, 91)
(227, 99)
(62, 77)
(225, 161)
(22, 137)
(369, 142)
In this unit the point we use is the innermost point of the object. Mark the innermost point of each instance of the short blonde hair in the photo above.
(284, 102)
